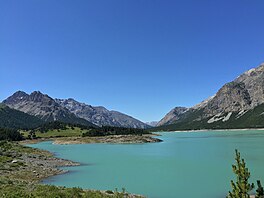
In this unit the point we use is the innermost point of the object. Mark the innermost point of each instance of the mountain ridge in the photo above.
(231, 102)
(69, 110)
(42, 106)
(100, 115)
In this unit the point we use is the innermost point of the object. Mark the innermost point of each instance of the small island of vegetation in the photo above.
(66, 133)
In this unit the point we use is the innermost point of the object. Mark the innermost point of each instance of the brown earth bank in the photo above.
(115, 139)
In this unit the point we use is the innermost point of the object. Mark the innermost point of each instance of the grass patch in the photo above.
(29, 191)
(5, 159)
(68, 132)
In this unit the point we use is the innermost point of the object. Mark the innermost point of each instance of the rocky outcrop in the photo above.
(232, 101)
(254, 84)
(172, 116)
(100, 115)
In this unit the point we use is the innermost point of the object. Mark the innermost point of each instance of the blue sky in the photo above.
(140, 57)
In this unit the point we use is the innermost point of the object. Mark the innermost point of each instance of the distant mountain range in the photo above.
(43, 107)
(238, 104)
(100, 115)
(68, 110)
(152, 123)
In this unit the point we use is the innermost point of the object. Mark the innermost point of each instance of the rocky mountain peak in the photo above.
(70, 100)
(172, 116)
(20, 94)
(42, 106)
(71, 104)
(251, 73)
(16, 97)
(37, 96)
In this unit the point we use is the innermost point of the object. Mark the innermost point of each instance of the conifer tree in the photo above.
(260, 191)
(240, 188)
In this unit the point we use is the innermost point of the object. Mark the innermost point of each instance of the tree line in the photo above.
(109, 130)
(10, 134)
(58, 125)
(91, 131)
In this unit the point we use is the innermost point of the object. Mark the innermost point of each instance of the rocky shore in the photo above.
(28, 164)
(114, 139)
(22, 168)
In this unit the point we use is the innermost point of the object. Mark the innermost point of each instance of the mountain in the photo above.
(11, 118)
(152, 123)
(238, 104)
(43, 107)
(100, 115)
(172, 116)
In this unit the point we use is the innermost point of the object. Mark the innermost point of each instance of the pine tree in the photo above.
(260, 191)
(241, 187)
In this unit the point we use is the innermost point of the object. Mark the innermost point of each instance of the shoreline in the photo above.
(54, 168)
(28, 167)
(37, 165)
(213, 130)
(60, 162)
(111, 139)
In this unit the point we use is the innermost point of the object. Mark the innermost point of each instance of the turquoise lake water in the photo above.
(186, 164)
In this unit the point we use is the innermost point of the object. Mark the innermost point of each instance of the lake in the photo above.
(185, 164)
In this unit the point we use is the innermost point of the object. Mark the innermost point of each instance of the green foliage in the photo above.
(5, 159)
(109, 130)
(61, 129)
(11, 118)
(55, 129)
(57, 125)
(259, 191)
(49, 191)
(10, 134)
(242, 187)
(31, 135)
(91, 131)
(52, 126)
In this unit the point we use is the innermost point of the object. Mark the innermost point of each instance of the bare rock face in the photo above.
(36, 104)
(243, 94)
(172, 116)
(100, 115)
(254, 84)
(230, 98)
(42, 106)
